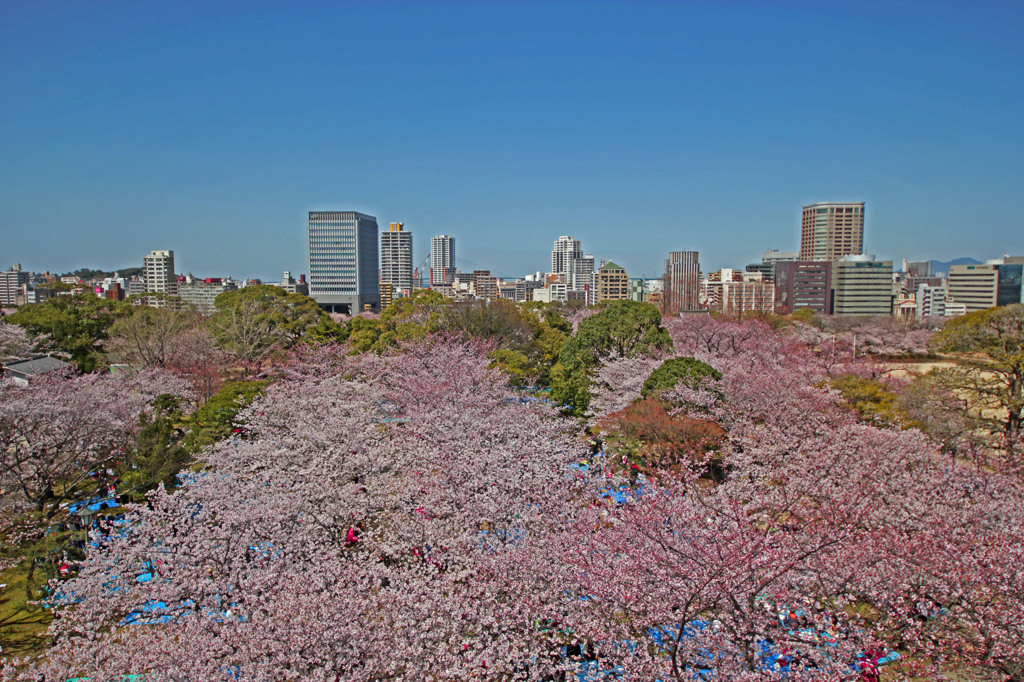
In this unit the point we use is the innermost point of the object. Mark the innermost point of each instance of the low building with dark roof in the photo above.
(24, 371)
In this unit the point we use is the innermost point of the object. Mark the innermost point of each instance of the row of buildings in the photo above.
(157, 285)
(354, 267)
(830, 274)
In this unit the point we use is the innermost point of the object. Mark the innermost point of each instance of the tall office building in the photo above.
(396, 259)
(158, 270)
(570, 265)
(343, 261)
(831, 230)
(566, 251)
(442, 259)
(682, 282)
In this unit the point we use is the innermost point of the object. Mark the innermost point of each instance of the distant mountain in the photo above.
(942, 268)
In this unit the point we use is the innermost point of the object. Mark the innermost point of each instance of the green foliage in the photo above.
(366, 334)
(520, 369)
(76, 325)
(289, 314)
(992, 374)
(873, 401)
(996, 332)
(500, 321)
(89, 273)
(406, 319)
(570, 387)
(215, 420)
(159, 452)
(690, 371)
(551, 314)
(623, 329)
(805, 315)
(548, 342)
(326, 331)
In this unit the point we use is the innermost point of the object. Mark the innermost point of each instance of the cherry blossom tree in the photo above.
(54, 434)
(59, 429)
(409, 516)
(618, 381)
(351, 534)
(15, 342)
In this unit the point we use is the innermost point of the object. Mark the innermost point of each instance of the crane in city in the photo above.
(417, 274)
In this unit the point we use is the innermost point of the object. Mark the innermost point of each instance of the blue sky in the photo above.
(212, 128)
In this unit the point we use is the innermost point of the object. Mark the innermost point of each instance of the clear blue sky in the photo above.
(212, 128)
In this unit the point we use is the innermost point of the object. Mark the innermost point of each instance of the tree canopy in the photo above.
(992, 344)
(688, 371)
(75, 325)
(622, 329)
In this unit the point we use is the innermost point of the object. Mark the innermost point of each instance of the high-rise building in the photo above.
(831, 230)
(442, 259)
(396, 259)
(11, 282)
(574, 268)
(682, 282)
(158, 271)
(862, 285)
(565, 252)
(343, 261)
(612, 283)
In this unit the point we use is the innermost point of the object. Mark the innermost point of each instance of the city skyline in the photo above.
(639, 129)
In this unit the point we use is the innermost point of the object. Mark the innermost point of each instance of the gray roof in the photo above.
(34, 367)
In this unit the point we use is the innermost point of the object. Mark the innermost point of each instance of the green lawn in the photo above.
(22, 626)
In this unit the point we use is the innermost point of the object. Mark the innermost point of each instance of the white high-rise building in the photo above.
(566, 250)
(442, 259)
(396, 258)
(571, 266)
(158, 270)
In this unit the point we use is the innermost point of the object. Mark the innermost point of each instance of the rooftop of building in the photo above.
(835, 203)
(36, 366)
